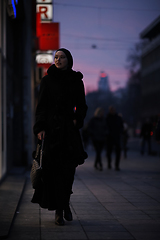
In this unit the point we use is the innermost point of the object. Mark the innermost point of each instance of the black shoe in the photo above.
(59, 218)
(95, 166)
(100, 168)
(68, 214)
(117, 169)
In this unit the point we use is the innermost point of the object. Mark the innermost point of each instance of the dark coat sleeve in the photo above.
(80, 103)
(40, 121)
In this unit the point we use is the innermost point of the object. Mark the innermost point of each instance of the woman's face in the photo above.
(60, 60)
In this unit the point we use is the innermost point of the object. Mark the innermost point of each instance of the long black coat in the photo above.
(97, 129)
(114, 127)
(146, 130)
(61, 100)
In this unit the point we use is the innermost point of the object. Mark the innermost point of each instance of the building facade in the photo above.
(16, 84)
(150, 71)
(103, 83)
(3, 162)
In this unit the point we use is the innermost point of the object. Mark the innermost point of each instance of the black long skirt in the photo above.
(55, 189)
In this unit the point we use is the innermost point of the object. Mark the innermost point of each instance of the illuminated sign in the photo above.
(46, 12)
(49, 39)
(11, 7)
(43, 1)
(44, 58)
(47, 32)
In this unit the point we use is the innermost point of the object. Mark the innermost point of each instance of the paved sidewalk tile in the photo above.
(26, 224)
(10, 194)
(105, 204)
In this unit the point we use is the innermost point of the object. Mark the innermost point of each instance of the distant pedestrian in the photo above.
(97, 131)
(85, 136)
(157, 130)
(115, 129)
(145, 134)
(60, 92)
(125, 137)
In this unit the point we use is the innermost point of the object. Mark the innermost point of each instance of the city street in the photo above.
(105, 204)
(72, 69)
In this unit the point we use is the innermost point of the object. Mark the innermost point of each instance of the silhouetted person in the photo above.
(115, 130)
(146, 136)
(97, 131)
(85, 135)
(60, 92)
(125, 138)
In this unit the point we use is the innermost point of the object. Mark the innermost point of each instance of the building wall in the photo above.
(150, 75)
(151, 83)
(16, 87)
(19, 92)
(3, 161)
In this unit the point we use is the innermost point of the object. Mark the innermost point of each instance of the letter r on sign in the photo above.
(46, 12)
(43, 10)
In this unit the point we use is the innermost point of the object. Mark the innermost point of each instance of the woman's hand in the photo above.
(41, 135)
(75, 122)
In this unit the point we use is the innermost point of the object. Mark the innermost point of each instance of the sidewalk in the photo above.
(115, 205)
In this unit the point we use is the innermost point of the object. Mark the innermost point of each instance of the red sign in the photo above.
(49, 39)
(46, 66)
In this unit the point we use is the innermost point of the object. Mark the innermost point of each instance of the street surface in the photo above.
(108, 204)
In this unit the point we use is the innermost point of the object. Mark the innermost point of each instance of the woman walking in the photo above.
(60, 113)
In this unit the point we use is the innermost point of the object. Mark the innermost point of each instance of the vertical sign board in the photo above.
(47, 31)
(49, 40)
(45, 8)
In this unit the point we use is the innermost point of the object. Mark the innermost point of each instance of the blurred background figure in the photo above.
(125, 137)
(145, 134)
(115, 130)
(85, 136)
(97, 132)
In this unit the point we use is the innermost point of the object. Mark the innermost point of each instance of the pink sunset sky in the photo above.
(113, 26)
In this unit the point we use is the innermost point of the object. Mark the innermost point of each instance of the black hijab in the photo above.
(68, 55)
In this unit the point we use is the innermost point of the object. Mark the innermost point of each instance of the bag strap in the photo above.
(37, 150)
(41, 153)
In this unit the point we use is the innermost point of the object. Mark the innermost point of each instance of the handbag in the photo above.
(36, 169)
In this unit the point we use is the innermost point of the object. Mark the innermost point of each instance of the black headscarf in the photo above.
(68, 55)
